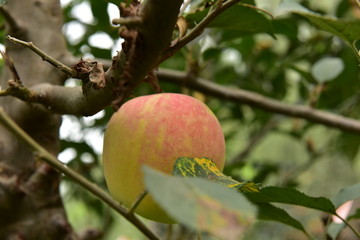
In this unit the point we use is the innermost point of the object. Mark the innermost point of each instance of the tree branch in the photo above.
(148, 41)
(70, 72)
(66, 100)
(155, 33)
(43, 55)
(63, 100)
(47, 157)
(259, 101)
(71, 100)
(199, 28)
(144, 44)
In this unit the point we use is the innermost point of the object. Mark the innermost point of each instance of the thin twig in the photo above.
(349, 225)
(10, 65)
(355, 49)
(137, 202)
(129, 22)
(44, 56)
(357, 2)
(56, 164)
(198, 29)
(15, 89)
(258, 9)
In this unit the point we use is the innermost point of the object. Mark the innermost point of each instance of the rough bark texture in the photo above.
(30, 204)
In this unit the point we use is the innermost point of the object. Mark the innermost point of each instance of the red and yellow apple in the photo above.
(155, 130)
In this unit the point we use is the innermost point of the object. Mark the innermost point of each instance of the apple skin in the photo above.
(155, 130)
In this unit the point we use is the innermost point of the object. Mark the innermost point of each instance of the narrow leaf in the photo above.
(200, 204)
(334, 229)
(346, 29)
(343, 196)
(356, 215)
(206, 168)
(346, 194)
(291, 196)
(268, 212)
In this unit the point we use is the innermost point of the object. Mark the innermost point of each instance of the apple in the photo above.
(155, 130)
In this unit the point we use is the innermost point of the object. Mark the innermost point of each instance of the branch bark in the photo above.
(30, 202)
(48, 158)
(256, 100)
(141, 53)
(144, 45)
(84, 105)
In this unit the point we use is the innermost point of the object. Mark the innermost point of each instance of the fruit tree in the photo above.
(234, 119)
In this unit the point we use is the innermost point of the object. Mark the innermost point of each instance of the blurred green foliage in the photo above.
(262, 51)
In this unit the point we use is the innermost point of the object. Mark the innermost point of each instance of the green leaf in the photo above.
(356, 215)
(241, 18)
(200, 204)
(99, 10)
(346, 194)
(289, 6)
(285, 26)
(268, 212)
(347, 143)
(327, 69)
(291, 196)
(346, 29)
(206, 168)
(334, 229)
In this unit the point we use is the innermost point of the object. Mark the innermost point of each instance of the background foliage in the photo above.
(282, 52)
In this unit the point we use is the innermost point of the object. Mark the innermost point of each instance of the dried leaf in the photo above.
(89, 71)
(97, 75)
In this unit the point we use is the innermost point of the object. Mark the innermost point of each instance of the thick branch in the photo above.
(144, 44)
(47, 157)
(66, 100)
(150, 39)
(72, 100)
(261, 102)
